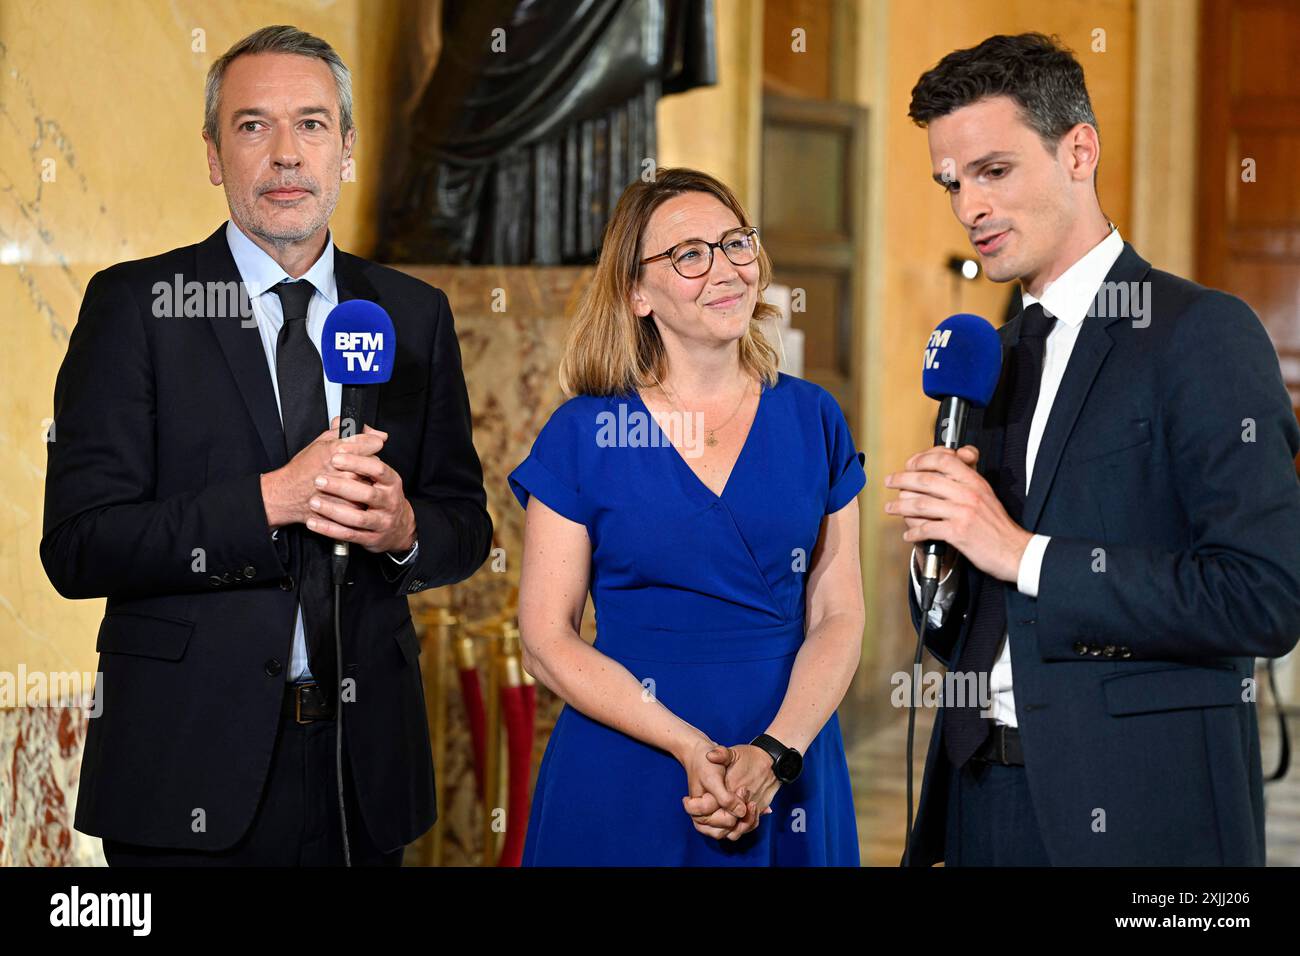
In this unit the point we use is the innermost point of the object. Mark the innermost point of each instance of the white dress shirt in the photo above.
(260, 274)
(1069, 299)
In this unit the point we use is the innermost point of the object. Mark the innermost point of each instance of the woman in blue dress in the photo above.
(708, 504)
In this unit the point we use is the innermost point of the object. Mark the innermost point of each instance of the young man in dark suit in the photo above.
(197, 481)
(1126, 513)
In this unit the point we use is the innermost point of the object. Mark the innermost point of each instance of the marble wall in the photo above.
(38, 788)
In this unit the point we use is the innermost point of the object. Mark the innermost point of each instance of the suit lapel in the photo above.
(1086, 359)
(242, 345)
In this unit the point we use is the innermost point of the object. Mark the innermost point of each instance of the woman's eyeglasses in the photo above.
(694, 257)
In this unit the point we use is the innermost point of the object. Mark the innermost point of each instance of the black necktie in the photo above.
(305, 415)
(964, 730)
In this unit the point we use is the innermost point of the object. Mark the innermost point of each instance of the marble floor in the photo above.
(879, 791)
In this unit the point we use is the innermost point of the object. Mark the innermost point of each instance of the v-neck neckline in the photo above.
(749, 435)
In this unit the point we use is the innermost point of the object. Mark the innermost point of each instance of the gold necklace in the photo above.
(710, 437)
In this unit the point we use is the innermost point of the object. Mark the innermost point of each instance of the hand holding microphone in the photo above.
(360, 498)
(959, 508)
(947, 504)
(966, 453)
(287, 491)
(337, 486)
(366, 504)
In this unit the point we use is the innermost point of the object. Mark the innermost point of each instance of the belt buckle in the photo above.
(297, 703)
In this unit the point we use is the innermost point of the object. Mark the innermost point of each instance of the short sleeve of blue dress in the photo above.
(553, 469)
(846, 463)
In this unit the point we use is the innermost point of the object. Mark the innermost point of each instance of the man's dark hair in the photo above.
(1036, 71)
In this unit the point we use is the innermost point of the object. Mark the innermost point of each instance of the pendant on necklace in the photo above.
(709, 439)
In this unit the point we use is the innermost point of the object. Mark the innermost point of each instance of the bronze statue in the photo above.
(536, 117)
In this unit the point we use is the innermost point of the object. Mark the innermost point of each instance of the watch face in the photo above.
(788, 766)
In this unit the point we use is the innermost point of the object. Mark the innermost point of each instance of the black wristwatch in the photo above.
(787, 763)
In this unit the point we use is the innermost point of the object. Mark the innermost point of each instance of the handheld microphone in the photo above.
(963, 360)
(358, 348)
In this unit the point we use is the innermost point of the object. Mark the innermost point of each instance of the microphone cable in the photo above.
(339, 569)
(927, 601)
(1284, 757)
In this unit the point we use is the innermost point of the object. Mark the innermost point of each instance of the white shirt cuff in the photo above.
(415, 549)
(943, 598)
(1031, 565)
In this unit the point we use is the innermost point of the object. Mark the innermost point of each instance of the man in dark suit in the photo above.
(196, 480)
(1127, 514)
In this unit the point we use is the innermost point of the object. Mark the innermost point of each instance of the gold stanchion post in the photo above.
(438, 624)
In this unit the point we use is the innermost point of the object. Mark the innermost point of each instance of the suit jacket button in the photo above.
(1109, 650)
(286, 583)
(1125, 652)
(272, 667)
(1095, 650)
(1080, 648)
(250, 571)
(214, 581)
(225, 576)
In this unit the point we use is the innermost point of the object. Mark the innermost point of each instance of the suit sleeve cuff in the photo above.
(1031, 565)
(409, 556)
(415, 574)
(281, 539)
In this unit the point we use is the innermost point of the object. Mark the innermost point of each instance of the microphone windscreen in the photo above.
(358, 346)
(963, 359)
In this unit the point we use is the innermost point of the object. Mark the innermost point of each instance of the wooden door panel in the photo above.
(1248, 240)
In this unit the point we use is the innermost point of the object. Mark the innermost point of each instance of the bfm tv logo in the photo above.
(358, 349)
(938, 340)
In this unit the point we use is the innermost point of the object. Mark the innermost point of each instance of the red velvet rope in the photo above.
(472, 694)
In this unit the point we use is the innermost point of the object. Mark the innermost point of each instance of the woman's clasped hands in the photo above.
(730, 788)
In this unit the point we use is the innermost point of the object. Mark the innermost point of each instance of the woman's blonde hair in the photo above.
(609, 348)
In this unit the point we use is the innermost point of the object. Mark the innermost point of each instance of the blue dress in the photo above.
(701, 597)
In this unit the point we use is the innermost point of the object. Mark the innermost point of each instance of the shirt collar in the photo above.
(1070, 297)
(260, 272)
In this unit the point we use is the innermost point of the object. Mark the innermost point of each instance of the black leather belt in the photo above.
(1003, 746)
(307, 702)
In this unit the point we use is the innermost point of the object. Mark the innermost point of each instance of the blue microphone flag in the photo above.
(358, 346)
(963, 359)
